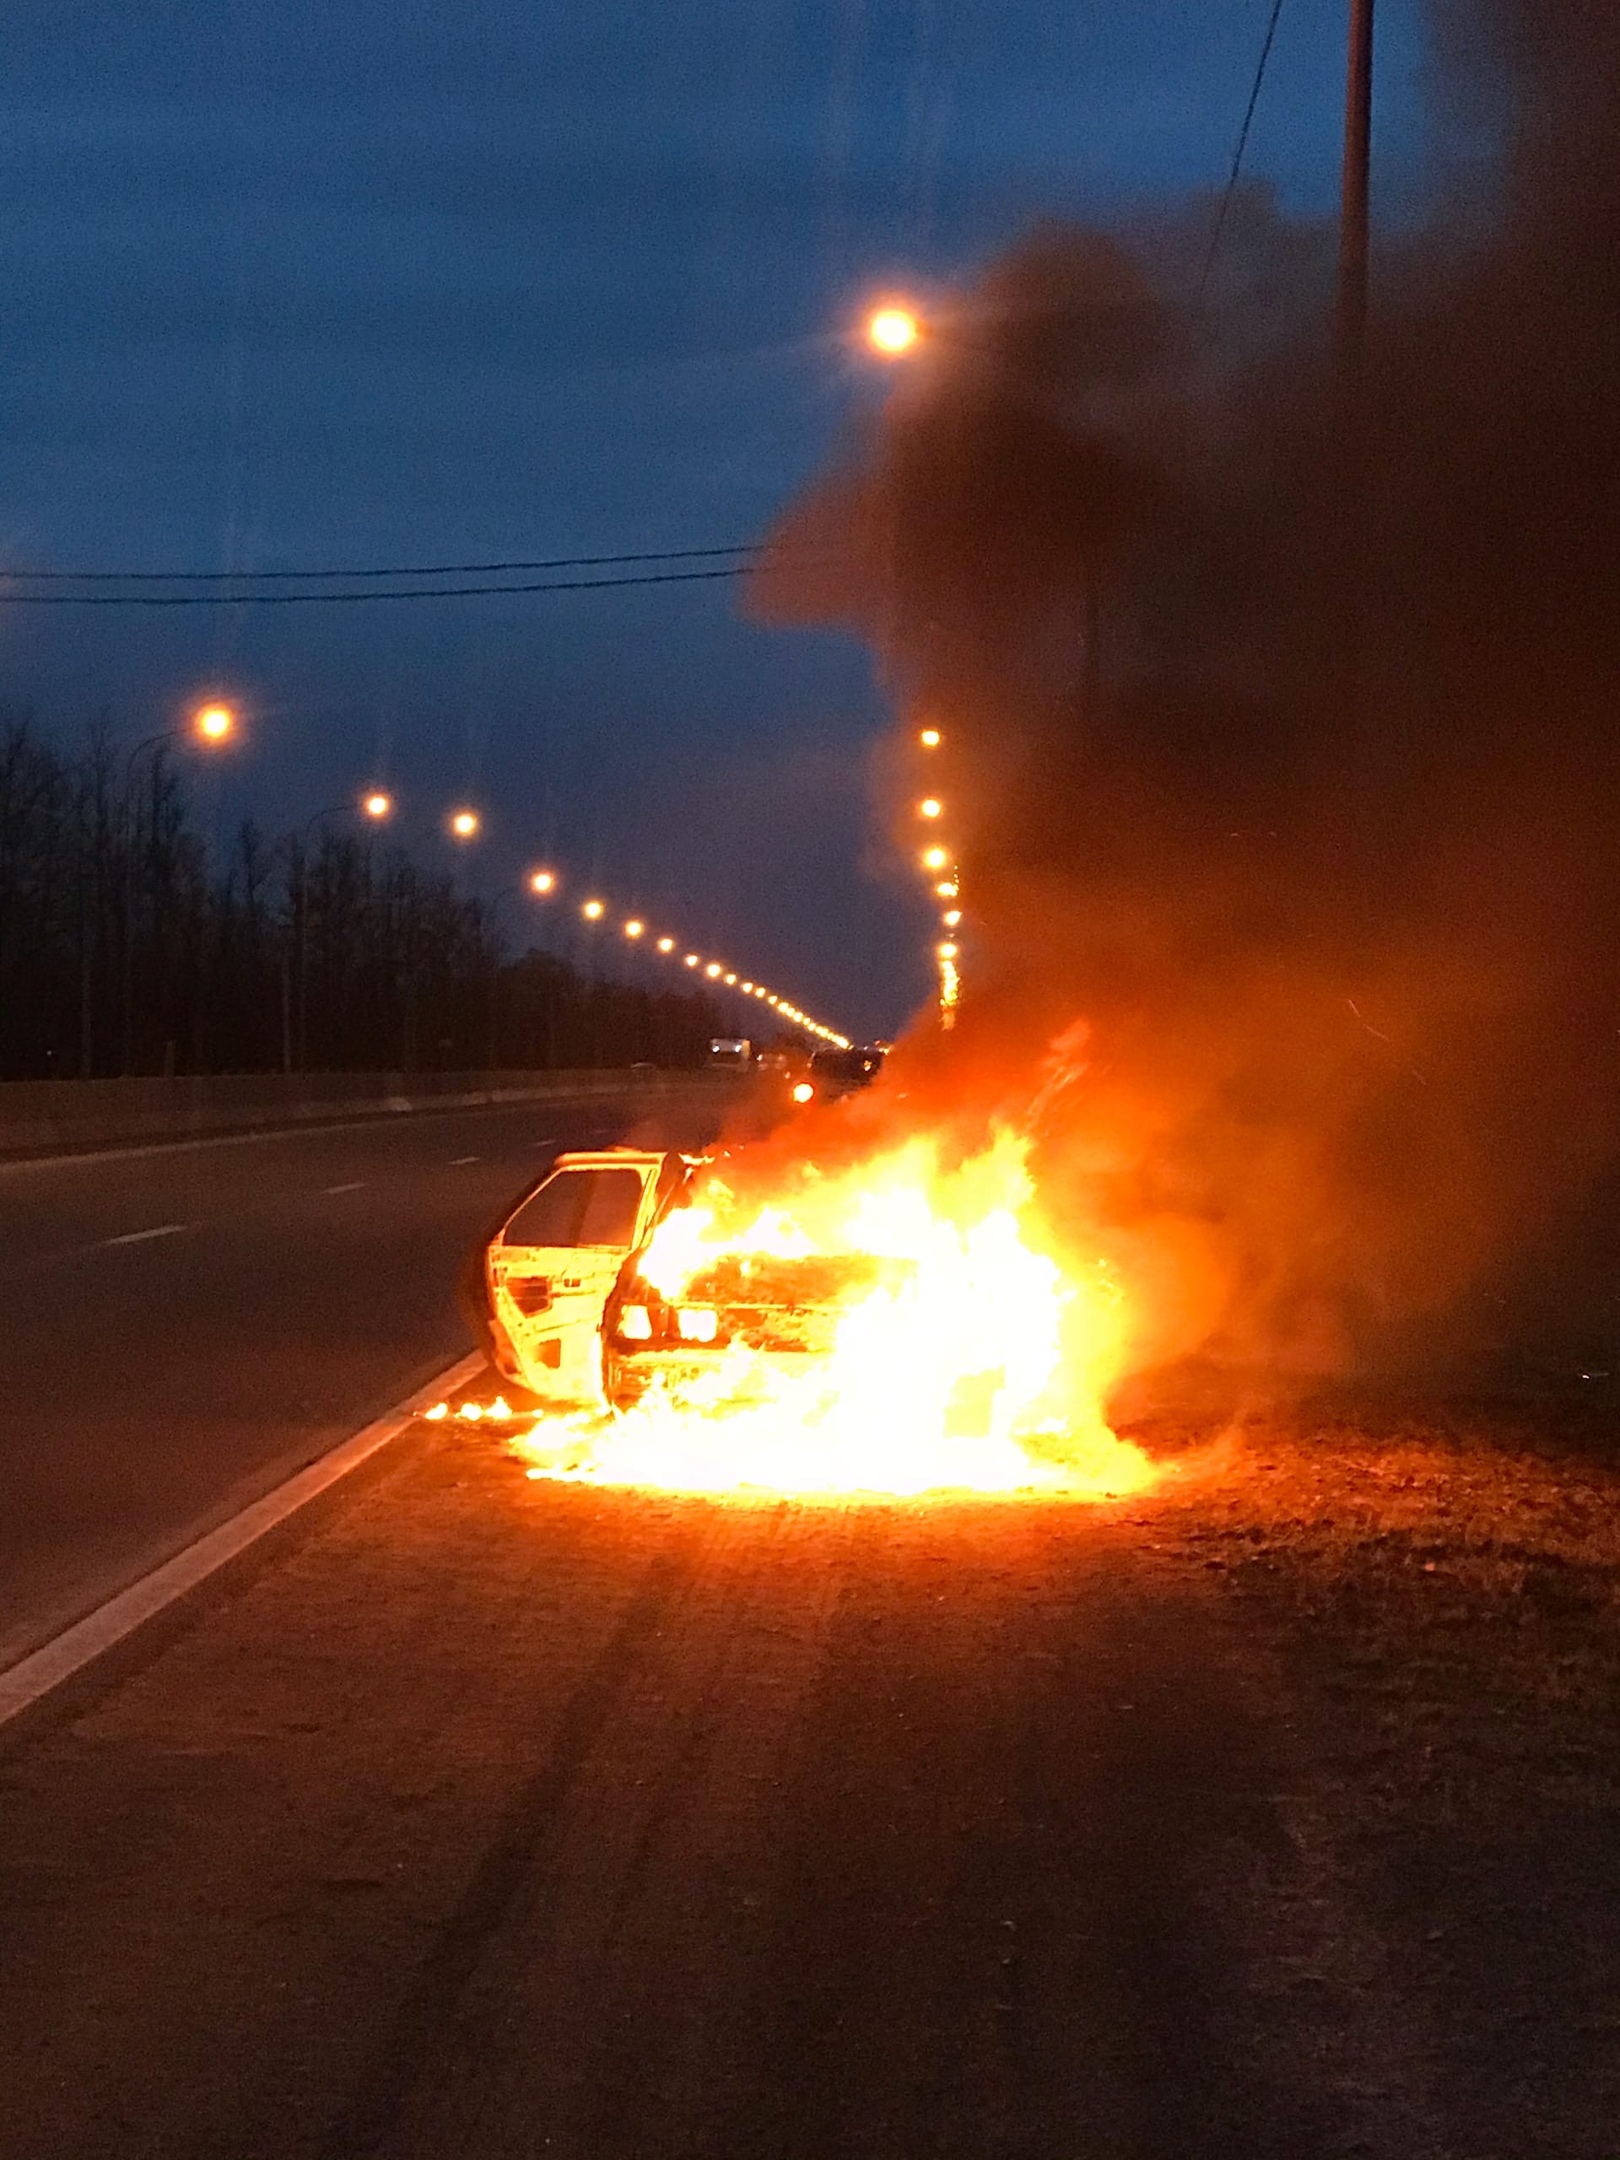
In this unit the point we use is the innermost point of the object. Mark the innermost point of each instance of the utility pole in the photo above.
(1350, 452)
(1351, 326)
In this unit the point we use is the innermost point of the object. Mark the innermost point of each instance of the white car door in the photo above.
(552, 1266)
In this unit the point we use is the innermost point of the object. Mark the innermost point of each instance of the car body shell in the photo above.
(551, 1264)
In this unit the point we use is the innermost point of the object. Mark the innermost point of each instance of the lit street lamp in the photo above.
(892, 331)
(213, 723)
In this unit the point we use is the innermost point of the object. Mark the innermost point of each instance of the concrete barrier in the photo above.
(68, 1117)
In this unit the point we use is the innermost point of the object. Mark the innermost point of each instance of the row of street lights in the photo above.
(545, 883)
(941, 867)
(214, 724)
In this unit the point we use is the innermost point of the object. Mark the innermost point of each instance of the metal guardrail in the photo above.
(62, 1117)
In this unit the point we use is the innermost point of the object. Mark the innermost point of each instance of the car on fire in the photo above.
(566, 1312)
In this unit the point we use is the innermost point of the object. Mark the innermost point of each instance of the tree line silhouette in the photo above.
(127, 946)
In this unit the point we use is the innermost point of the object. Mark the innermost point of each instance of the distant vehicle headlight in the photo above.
(697, 1323)
(635, 1323)
(804, 1092)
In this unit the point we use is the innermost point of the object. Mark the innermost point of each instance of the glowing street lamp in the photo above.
(946, 888)
(214, 723)
(935, 858)
(929, 738)
(666, 944)
(593, 911)
(714, 971)
(633, 928)
(464, 824)
(951, 917)
(377, 806)
(947, 951)
(542, 882)
(930, 807)
(730, 981)
(892, 331)
(693, 960)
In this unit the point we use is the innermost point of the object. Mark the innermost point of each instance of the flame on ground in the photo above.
(969, 1360)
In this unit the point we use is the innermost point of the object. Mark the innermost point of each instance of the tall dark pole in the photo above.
(1351, 326)
(1351, 434)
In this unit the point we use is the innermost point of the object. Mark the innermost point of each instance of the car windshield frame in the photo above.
(586, 1210)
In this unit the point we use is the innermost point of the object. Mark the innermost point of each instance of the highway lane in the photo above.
(185, 1326)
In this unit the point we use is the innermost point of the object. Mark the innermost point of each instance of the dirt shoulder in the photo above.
(1269, 1815)
(1437, 1592)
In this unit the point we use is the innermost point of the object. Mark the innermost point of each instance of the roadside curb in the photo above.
(42, 1672)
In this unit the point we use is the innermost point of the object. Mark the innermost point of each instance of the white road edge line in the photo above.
(34, 1676)
(359, 1185)
(140, 1237)
(456, 1161)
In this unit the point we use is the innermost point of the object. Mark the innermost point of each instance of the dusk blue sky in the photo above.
(298, 284)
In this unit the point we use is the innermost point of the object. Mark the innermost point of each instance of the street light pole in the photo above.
(377, 806)
(302, 921)
(1348, 455)
(131, 829)
(1355, 185)
(210, 726)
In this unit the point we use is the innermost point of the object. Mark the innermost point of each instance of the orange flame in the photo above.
(969, 1359)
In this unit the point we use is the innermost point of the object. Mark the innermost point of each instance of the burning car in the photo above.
(568, 1314)
(885, 1327)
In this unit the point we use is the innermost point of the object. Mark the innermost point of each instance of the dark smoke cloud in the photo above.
(1327, 897)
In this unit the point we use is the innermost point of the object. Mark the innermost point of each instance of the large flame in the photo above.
(970, 1359)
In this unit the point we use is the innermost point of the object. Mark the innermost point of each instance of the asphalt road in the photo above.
(186, 1326)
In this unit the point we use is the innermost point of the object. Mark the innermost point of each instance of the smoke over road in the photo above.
(1284, 777)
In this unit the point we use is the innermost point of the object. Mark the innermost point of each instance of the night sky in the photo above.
(403, 282)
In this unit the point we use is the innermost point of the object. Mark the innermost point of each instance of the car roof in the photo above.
(613, 1158)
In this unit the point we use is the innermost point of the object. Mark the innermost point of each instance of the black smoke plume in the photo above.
(1281, 730)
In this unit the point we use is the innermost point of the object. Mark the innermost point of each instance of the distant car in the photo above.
(545, 1274)
(840, 1072)
(731, 1053)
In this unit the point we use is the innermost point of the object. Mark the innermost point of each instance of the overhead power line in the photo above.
(402, 570)
(377, 592)
(1237, 154)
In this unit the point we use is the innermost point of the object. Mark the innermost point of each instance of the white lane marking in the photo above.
(545, 1143)
(141, 1237)
(456, 1161)
(359, 1185)
(26, 1682)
